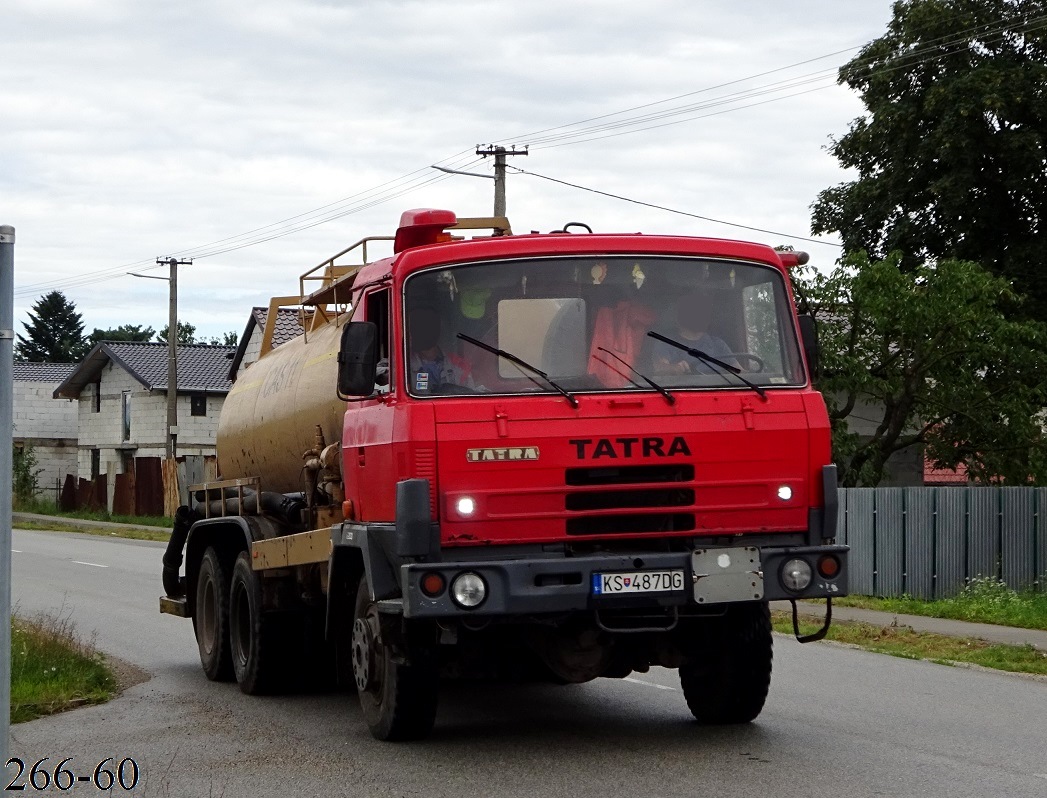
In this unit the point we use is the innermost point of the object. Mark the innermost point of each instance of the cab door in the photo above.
(367, 439)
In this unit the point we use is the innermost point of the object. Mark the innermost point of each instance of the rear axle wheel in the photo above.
(211, 617)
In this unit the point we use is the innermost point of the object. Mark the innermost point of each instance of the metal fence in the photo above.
(926, 542)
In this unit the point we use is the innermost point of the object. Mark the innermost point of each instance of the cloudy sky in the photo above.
(133, 130)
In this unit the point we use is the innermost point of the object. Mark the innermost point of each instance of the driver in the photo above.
(431, 368)
(692, 315)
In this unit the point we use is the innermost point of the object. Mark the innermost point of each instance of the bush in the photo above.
(24, 474)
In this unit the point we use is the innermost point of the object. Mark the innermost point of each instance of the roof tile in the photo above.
(42, 372)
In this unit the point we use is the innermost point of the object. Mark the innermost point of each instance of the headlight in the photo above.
(796, 575)
(785, 493)
(465, 506)
(469, 590)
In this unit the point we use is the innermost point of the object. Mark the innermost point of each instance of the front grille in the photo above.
(609, 489)
(630, 524)
(628, 499)
(629, 475)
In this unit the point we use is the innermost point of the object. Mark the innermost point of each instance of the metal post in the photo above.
(7, 342)
(172, 362)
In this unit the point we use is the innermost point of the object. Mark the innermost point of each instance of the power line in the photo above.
(572, 134)
(369, 198)
(674, 210)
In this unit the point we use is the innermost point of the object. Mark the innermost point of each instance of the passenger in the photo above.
(692, 315)
(432, 369)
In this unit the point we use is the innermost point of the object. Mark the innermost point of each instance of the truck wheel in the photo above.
(257, 639)
(728, 681)
(211, 618)
(398, 700)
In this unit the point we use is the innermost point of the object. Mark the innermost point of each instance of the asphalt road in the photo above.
(838, 722)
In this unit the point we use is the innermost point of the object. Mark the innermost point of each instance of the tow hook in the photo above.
(815, 635)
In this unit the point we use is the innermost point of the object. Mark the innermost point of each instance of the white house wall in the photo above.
(49, 426)
(104, 430)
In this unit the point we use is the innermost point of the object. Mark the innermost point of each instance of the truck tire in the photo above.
(257, 640)
(211, 618)
(727, 683)
(398, 700)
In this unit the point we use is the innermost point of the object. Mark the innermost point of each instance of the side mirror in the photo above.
(357, 359)
(811, 350)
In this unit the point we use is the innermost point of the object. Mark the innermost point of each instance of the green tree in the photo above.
(950, 155)
(230, 338)
(125, 332)
(186, 333)
(935, 355)
(54, 332)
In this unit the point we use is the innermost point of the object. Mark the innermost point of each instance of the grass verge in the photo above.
(902, 641)
(981, 601)
(47, 508)
(130, 534)
(53, 670)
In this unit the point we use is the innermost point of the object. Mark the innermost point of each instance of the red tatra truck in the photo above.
(559, 456)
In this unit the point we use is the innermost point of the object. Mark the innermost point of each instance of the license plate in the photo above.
(637, 582)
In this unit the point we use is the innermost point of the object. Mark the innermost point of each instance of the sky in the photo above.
(131, 131)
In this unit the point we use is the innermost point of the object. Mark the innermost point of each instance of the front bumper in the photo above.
(556, 585)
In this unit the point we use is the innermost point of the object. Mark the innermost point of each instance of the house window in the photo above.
(96, 463)
(127, 416)
(96, 400)
(198, 404)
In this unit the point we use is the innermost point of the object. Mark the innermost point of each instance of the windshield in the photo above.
(584, 323)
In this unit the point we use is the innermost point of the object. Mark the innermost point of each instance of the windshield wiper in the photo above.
(712, 361)
(522, 363)
(668, 396)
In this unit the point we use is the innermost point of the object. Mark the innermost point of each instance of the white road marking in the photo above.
(94, 564)
(647, 684)
(16, 551)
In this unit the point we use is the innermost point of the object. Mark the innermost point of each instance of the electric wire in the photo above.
(947, 46)
(365, 199)
(672, 210)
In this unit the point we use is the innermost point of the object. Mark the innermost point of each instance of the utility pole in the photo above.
(499, 154)
(172, 354)
(7, 351)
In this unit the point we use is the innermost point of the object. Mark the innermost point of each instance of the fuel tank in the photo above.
(270, 416)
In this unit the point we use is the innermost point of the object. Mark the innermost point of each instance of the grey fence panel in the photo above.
(1041, 538)
(983, 533)
(861, 537)
(919, 542)
(890, 541)
(950, 541)
(1017, 544)
(928, 541)
(841, 517)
